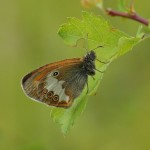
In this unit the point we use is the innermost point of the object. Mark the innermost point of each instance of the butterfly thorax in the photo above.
(89, 63)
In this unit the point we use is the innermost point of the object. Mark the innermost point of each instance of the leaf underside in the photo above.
(115, 43)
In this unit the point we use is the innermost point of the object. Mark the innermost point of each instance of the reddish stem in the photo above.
(133, 16)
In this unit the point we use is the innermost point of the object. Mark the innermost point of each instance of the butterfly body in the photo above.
(58, 84)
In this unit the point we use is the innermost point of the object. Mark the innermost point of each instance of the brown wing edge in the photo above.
(61, 104)
(25, 78)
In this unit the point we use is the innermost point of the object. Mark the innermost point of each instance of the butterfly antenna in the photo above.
(97, 47)
(86, 44)
(103, 62)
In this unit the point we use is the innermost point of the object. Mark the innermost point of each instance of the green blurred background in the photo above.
(117, 118)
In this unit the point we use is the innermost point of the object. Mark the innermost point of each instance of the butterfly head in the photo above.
(89, 63)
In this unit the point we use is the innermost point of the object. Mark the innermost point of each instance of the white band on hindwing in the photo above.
(52, 84)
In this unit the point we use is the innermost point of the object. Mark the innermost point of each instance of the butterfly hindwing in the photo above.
(56, 84)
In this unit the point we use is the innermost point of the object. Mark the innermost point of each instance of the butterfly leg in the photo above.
(103, 62)
(93, 77)
(100, 71)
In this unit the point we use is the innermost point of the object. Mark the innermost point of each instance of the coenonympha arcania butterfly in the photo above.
(58, 84)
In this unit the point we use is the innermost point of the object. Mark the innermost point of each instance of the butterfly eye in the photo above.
(55, 73)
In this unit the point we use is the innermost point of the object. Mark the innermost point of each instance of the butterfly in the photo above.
(59, 84)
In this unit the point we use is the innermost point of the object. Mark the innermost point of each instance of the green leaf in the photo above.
(143, 32)
(66, 117)
(115, 43)
(140, 32)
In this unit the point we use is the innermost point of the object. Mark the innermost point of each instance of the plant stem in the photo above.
(133, 16)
